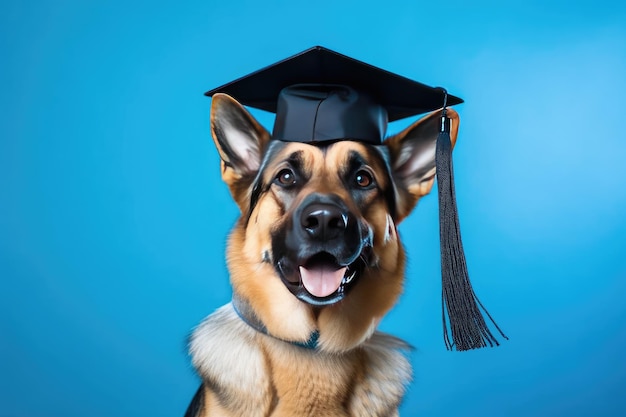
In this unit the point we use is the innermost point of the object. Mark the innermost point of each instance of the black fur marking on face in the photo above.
(356, 163)
(258, 187)
(390, 191)
(295, 164)
(310, 238)
(295, 161)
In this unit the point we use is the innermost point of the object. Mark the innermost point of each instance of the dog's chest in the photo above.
(311, 382)
(248, 373)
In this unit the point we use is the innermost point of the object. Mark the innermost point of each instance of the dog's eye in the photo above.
(286, 177)
(363, 179)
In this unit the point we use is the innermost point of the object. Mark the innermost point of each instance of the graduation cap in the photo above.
(319, 96)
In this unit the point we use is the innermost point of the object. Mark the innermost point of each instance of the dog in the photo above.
(315, 262)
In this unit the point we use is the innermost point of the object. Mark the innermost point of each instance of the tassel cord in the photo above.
(467, 327)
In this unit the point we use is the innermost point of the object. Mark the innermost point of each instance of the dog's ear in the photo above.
(412, 153)
(240, 142)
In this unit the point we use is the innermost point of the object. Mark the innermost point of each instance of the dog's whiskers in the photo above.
(266, 257)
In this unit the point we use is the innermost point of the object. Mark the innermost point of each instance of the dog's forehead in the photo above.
(342, 151)
(328, 157)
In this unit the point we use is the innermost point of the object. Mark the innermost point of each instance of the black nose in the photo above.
(323, 221)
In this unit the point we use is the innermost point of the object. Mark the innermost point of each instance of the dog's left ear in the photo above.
(412, 153)
(240, 142)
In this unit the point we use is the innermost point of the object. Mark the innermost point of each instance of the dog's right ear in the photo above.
(240, 142)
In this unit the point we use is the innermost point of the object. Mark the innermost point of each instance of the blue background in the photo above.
(113, 218)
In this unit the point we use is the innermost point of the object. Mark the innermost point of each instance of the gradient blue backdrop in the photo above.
(113, 218)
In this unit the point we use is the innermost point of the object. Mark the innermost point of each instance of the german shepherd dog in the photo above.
(315, 262)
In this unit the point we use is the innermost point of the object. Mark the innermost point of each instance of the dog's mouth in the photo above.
(320, 279)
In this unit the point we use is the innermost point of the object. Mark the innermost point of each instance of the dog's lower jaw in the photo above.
(342, 326)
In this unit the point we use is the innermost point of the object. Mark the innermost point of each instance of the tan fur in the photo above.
(355, 370)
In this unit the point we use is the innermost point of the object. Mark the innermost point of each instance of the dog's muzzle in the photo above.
(322, 251)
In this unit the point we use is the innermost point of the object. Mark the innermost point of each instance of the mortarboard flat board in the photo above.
(320, 95)
(401, 96)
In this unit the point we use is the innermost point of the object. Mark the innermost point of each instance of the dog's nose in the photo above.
(324, 221)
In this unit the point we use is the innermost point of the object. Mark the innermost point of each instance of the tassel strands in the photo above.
(461, 308)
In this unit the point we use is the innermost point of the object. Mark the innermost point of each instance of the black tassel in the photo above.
(468, 329)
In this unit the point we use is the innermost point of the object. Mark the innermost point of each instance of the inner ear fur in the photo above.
(240, 141)
(412, 153)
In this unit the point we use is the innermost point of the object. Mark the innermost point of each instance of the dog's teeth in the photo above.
(347, 279)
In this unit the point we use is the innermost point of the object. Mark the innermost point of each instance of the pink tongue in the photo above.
(322, 280)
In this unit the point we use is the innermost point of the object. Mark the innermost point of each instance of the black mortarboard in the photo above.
(320, 95)
(317, 93)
